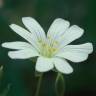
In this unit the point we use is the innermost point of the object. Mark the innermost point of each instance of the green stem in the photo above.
(39, 84)
(59, 81)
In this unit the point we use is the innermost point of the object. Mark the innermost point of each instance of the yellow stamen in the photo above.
(46, 49)
(49, 37)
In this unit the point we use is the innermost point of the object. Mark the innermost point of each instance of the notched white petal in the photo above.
(22, 32)
(58, 28)
(22, 54)
(34, 27)
(76, 53)
(83, 48)
(73, 33)
(25, 34)
(90, 46)
(17, 45)
(74, 56)
(44, 64)
(62, 66)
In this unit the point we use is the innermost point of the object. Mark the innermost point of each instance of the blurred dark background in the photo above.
(19, 74)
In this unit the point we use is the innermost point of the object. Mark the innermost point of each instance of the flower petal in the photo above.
(57, 28)
(25, 34)
(73, 33)
(86, 48)
(34, 27)
(23, 54)
(76, 53)
(17, 45)
(62, 66)
(22, 32)
(44, 64)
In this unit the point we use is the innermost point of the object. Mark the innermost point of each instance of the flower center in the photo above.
(46, 49)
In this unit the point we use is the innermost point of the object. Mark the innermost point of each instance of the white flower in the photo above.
(52, 50)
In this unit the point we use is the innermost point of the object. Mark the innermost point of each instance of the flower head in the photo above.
(52, 49)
